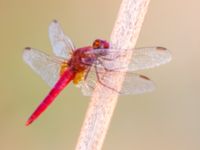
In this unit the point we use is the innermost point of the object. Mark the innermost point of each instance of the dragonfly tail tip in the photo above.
(28, 122)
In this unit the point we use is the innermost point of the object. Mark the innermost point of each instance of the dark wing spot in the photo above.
(144, 77)
(27, 48)
(55, 21)
(161, 48)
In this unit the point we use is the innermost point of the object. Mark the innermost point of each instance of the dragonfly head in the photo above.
(100, 44)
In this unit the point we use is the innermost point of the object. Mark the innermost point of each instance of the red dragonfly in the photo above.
(85, 66)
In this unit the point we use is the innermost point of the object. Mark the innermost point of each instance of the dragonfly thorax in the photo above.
(77, 63)
(85, 57)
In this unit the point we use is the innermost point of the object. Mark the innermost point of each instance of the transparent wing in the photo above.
(46, 66)
(142, 58)
(136, 84)
(62, 45)
(133, 84)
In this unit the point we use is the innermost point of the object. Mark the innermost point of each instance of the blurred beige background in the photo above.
(166, 119)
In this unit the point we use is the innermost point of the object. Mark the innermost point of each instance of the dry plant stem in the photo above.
(124, 36)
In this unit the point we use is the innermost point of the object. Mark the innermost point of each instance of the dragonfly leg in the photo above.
(87, 64)
(101, 82)
(86, 75)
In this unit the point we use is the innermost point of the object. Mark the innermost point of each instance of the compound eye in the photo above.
(96, 44)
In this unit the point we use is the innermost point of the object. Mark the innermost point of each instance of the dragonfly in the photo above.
(85, 66)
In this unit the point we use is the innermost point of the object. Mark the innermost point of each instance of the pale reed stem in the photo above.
(124, 36)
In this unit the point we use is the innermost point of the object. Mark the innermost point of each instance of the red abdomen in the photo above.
(66, 77)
